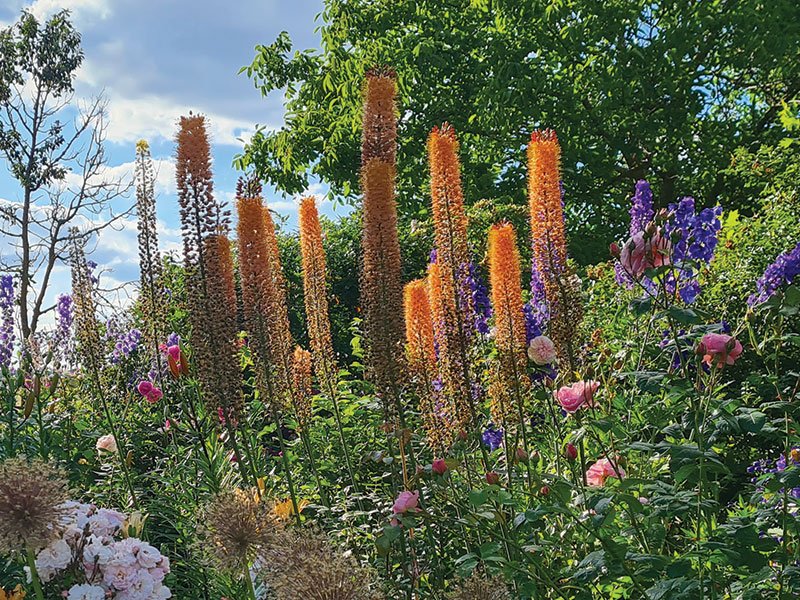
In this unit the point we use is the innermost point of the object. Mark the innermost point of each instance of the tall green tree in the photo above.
(663, 90)
(54, 147)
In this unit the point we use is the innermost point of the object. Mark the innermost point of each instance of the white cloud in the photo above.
(153, 117)
(79, 8)
(163, 168)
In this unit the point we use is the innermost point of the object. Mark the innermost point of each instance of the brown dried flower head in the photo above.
(305, 564)
(235, 527)
(480, 588)
(32, 497)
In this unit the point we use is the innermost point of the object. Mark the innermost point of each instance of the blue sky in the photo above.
(156, 60)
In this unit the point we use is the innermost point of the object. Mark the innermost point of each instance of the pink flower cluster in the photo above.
(580, 393)
(119, 569)
(151, 393)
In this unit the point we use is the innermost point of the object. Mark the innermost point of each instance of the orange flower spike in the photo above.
(544, 194)
(505, 279)
(381, 275)
(447, 197)
(301, 373)
(315, 289)
(419, 327)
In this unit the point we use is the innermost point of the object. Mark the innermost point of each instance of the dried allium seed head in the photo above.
(235, 527)
(480, 588)
(316, 293)
(32, 497)
(304, 564)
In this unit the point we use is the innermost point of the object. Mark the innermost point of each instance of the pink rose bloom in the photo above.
(174, 352)
(107, 443)
(640, 253)
(719, 349)
(144, 387)
(406, 501)
(154, 395)
(542, 351)
(572, 397)
(597, 474)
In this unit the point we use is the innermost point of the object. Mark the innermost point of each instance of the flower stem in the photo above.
(37, 584)
(251, 592)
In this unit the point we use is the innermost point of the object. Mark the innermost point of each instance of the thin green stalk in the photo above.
(286, 467)
(251, 592)
(37, 584)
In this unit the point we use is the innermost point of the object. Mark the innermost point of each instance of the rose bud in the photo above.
(571, 452)
(492, 478)
(614, 249)
(522, 455)
(439, 466)
(545, 490)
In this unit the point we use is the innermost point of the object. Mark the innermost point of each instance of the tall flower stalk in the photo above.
(562, 288)
(88, 338)
(7, 299)
(510, 379)
(381, 287)
(209, 279)
(421, 358)
(315, 295)
(150, 270)
(452, 260)
(265, 311)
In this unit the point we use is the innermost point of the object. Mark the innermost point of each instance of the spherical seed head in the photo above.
(305, 564)
(32, 497)
(481, 588)
(236, 525)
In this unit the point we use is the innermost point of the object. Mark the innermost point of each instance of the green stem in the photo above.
(251, 592)
(286, 468)
(37, 584)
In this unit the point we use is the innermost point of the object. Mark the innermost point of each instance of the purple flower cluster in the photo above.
(173, 339)
(90, 267)
(65, 313)
(6, 319)
(763, 466)
(782, 272)
(481, 306)
(125, 340)
(492, 437)
(694, 238)
(537, 312)
(641, 214)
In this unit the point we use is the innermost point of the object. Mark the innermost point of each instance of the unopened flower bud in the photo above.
(492, 478)
(570, 452)
(439, 466)
(614, 249)
(522, 455)
(544, 490)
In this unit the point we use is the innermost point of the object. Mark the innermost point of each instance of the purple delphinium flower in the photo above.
(641, 214)
(173, 339)
(782, 272)
(482, 308)
(125, 340)
(763, 466)
(694, 238)
(93, 277)
(6, 319)
(537, 311)
(491, 437)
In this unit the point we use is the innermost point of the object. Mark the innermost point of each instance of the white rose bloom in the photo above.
(52, 559)
(85, 591)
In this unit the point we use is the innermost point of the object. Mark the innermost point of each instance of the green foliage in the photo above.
(662, 91)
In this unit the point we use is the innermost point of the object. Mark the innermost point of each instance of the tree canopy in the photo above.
(636, 89)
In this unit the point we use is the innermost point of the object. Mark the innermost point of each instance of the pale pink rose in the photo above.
(542, 351)
(719, 349)
(572, 397)
(106, 443)
(406, 501)
(644, 251)
(597, 474)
